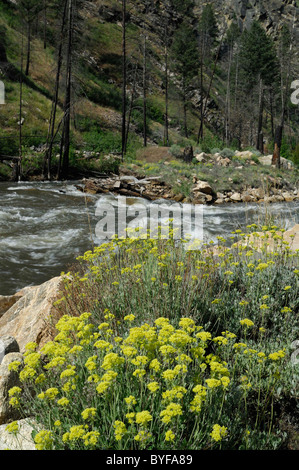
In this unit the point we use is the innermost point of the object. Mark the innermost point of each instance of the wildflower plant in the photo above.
(199, 358)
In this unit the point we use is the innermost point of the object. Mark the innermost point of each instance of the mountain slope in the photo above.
(97, 72)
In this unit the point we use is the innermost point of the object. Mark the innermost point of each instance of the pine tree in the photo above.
(185, 61)
(259, 65)
(285, 58)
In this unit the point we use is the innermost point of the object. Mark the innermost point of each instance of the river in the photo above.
(44, 226)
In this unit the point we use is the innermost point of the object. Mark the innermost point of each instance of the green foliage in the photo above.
(185, 53)
(102, 141)
(176, 151)
(104, 94)
(227, 153)
(185, 8)
(232, 35)
(5, 172)
(197, 356)
(210, 142)
(208, 25)
(288, 148)
(296, 155)
(258, 57)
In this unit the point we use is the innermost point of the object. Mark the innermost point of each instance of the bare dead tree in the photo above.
(51, 130)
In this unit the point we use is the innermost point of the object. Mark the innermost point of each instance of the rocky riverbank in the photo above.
(257, 180)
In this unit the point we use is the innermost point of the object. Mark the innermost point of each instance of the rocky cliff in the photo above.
(271, 13)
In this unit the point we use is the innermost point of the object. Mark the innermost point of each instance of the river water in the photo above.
(44, 226)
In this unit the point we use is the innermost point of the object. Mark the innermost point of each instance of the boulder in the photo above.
(179, 197)
(8, 379)
(8, 344)
(245, 155)
(236, 197)
(288, 197)
(7, 301)
(200, 198)
(27, 319)
(257, 193)
(284, 162)
(22, 440)
(223, 161)
(246, 197)
(291, 236)
(202, 157)
(205, 188)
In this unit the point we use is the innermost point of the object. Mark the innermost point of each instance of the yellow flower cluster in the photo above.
(218, 432)
(170, 361)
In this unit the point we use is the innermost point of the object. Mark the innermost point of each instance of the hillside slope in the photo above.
(97, 77)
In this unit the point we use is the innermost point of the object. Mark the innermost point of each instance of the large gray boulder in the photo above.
(22, 440)
(8, 379)
(29, 317)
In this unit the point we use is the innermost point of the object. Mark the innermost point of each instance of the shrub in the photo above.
(227, 153)
(168, 348)
(176, 151)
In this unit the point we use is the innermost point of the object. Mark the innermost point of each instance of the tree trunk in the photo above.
(203, 111)
(124, 73)
(45, 24)
(131, 104)
(271, 113)
(67, 104)
(185, 109)
(277, 146)
(284, 98)
(227, 101)
(18, 167)
(144, 91)
(260, 146)
(200, 132)
(50, 138)
(28, 48)
(166, 133)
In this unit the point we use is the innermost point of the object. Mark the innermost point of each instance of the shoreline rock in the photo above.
(26, 319)
(153, 188)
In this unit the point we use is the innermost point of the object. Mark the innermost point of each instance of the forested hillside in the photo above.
(115, 76)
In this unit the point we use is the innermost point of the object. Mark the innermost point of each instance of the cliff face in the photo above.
(271, 13)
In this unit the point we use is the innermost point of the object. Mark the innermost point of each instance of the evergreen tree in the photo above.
(285, 46)
(185, 61)
(184, 8)
(259, 65)
(258, 56)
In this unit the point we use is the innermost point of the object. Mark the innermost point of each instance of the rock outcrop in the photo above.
(28, 318)
(22, 440)
(266, 239)
(8, 379)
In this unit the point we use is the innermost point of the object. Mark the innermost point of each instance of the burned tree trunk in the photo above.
(67, 103)
(260, 143)
(277, 146)
(48, 154)
(124, 73)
